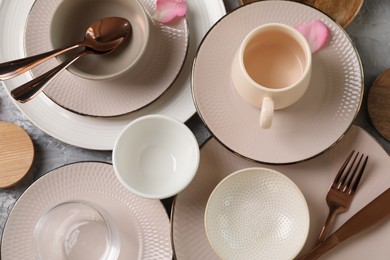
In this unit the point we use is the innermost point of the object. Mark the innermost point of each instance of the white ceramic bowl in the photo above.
(156, 156)
(257, 213)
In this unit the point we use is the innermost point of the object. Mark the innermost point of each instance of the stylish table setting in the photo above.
(77, 134)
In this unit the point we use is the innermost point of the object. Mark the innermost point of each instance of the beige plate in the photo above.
(313, 178)
(92, 132)
(299, 132)
(125, 94)
(143, 223)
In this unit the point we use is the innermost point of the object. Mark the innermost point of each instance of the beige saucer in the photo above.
(378, 104)
(307, 128)
(146, 81)
(16, 154)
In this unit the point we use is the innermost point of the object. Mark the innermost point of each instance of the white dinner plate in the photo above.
(299, 132)
(143, 224)
(313, 178)
(100, 133)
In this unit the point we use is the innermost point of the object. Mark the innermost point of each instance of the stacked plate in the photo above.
(61, 111)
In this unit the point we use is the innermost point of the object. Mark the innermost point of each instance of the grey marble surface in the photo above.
(370, 32)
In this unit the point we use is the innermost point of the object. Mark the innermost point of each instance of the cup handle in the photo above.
(267, 112)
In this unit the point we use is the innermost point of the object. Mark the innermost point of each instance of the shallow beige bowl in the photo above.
(257, 213)
(71, 19)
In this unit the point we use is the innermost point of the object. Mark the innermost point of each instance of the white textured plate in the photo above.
(299, 132)
(143, 224)
(312, 177)
(131, 91)
(100, 133)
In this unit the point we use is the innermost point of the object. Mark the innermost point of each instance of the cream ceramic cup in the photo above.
(71, 20)
(271, 69)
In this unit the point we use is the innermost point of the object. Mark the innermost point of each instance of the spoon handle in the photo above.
(30, 89)
(14, 68)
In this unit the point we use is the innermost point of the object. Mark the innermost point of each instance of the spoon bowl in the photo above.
(105, 35)
(102, 37)
(65, 30)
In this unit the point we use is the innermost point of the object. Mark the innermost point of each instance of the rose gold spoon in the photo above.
(99, 36)
(102, 37)
(342, 11)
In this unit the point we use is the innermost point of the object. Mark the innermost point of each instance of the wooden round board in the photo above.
(378, 104)
(16, 154)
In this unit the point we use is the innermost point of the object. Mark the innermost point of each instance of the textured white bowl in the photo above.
(156, 156)
(257, 213)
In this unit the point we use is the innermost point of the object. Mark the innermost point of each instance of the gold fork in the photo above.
(343, 189)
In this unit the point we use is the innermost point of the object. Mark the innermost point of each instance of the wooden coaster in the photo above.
(16, 154)
(378, 104)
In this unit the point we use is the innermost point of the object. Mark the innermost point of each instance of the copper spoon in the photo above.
(99, 37)
(342, 11)
(102, 37)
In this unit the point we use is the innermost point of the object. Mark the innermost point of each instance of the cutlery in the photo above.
(342, 12)
(370, 215)
(342, 191)
(102, 37)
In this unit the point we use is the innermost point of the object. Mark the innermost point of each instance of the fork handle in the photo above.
(320, 249)
(333, 212)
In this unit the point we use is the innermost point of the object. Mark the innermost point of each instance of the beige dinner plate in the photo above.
(143, 224)
(307, 128)
(313, 178)
(135, 89)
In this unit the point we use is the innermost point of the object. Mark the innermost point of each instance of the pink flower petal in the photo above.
(167, 10)
(315, 32)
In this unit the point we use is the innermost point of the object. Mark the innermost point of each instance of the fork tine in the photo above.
(336, 182)
(359, 176)
(351, 172)
(346, 177)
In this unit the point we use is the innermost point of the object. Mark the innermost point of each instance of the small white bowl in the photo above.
(156, 156)
(257, 213)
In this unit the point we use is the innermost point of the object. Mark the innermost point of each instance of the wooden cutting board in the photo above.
(16, 154)
(378, 104)
(342, 11)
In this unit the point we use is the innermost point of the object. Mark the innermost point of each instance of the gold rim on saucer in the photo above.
(299, 132)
